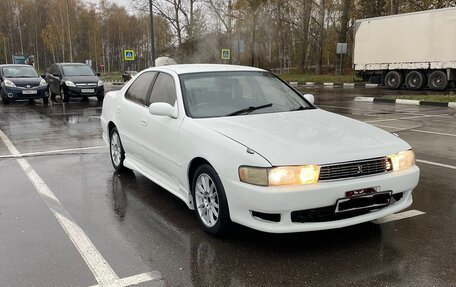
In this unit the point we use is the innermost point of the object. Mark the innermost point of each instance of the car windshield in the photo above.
(20, 72)
(77, 70)
(238, 93)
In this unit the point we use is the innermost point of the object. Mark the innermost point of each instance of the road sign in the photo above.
(341, 48)
(129, 55)
(226, 54)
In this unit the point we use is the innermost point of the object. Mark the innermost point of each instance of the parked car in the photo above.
(74, 80)
(21, 82)
(128, 75)
(237, 144)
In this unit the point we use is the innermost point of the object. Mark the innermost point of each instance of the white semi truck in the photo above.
(414, 50)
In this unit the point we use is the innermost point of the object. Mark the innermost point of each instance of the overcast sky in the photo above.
(125, 3)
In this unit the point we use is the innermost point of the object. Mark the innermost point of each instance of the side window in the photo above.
(164, 90)
(139, 90)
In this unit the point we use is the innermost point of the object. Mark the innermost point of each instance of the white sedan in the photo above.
(237, 144)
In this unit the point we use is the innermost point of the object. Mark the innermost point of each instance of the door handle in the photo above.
(118, 109)
(144, 122)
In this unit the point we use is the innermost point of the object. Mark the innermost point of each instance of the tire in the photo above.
(211, 206)
(415, 80)
(65, 97)
(438, 81)
(394, 80)
(116, 151)
(45, 100)
(100, 98)
(5, 99)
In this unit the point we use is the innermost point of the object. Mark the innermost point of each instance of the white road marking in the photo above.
(51, 152)
(134, 280)
(414, 130)
(398, 216)
(436, 163)
(399, 119)
(402, 111)
(100, 268)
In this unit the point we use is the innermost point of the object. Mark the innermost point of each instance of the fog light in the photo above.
(10, 95)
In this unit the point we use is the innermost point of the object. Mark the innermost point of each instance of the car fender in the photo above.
(224, 154)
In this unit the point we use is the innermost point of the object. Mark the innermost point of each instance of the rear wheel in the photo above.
(211, 206)
(394, 80)
(415, 80)
(116, 150)
(438, 81)
(65, 97)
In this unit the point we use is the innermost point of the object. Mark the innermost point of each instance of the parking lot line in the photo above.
(414, 130)
(436, 163)
(445, 116)
(399, 119)
(398, 216)
(51, 152)
(102, 271)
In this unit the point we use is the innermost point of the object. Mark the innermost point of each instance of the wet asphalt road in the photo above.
(138, 227)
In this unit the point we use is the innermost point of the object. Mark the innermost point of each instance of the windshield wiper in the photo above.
(249, 109)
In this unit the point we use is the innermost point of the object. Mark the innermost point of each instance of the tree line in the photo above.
(285, 34)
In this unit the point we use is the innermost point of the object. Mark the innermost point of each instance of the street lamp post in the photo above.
(152, 44)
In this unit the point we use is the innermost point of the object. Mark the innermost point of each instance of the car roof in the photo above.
(201, 68)
(15, 65)
(71, 64)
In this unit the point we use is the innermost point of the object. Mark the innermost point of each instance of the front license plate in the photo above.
(29, 92)
(88, 91)
(371, 200)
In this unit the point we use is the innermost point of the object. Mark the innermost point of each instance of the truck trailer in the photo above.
(415, 50)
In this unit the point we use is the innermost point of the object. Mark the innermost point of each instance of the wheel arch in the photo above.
(192, 166)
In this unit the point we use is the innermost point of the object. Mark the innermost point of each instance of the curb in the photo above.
(451, 105)
(334, 85)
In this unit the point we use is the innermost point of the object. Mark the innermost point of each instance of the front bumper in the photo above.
(19, 93)
(245, 200)
(90, 91)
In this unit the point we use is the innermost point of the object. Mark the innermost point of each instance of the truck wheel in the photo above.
(394, 80)
(415, 80)
(438, 81)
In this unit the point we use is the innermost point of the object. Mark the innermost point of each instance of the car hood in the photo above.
(81, 79)
(307, 137)
(20, 82)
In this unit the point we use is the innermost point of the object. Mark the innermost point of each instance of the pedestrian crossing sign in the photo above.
(129, 55)
(226, 54)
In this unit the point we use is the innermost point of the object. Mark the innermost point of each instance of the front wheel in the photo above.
(116, 150)
(5, 99)
(65, 97)
(211, 206)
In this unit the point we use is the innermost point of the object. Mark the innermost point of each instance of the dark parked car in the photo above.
(128, 75)
(22, 82)
(74, 80)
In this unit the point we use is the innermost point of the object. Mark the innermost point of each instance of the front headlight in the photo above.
(70, 84)
(43, 83)
(277, 176)
(8, 83)
(100, 83)
(402, 160)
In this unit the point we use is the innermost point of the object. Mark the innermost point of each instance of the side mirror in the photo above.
(43, 76)
(310, 98)
(56, 75)
(163, 109)
(98, 74)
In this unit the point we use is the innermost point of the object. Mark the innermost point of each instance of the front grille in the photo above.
(355, 168)
(86, 85)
